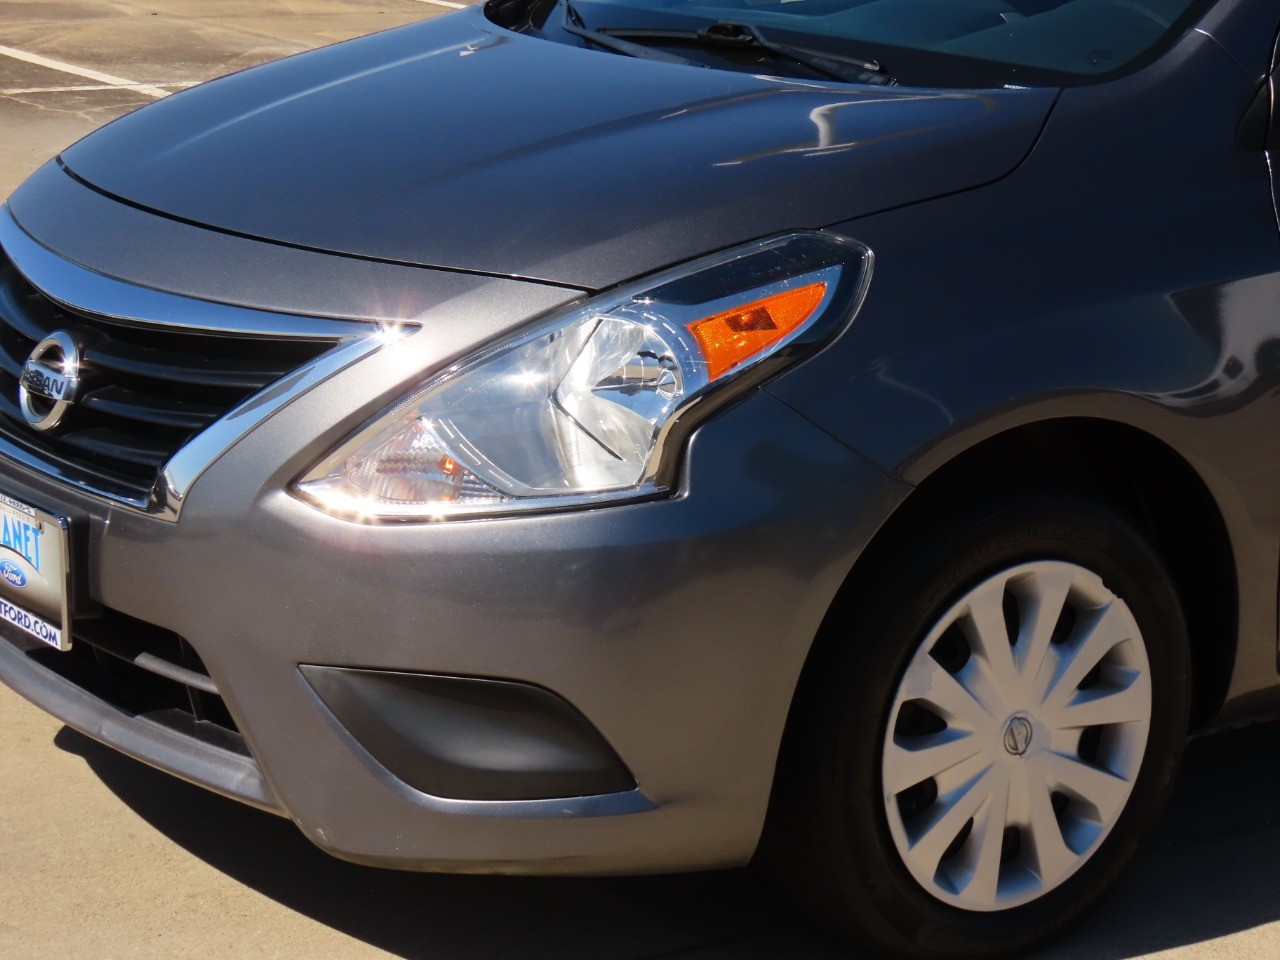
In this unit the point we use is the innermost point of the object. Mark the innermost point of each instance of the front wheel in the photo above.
(986, 733)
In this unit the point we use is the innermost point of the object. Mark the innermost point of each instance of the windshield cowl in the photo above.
(923, 43)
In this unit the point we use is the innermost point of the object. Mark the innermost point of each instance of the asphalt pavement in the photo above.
(102, 858)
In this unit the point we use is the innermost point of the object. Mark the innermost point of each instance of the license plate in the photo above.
(34, 571)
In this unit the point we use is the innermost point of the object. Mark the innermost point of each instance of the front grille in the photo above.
(144, 671)
(146, 389)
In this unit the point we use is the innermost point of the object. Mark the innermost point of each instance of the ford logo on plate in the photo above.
(13, 573)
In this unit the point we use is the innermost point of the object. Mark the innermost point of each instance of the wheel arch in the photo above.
(1129, 468)
(1092, 489)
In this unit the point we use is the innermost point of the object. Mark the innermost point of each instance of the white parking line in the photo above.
(89, 87)
(35, 58)
(446, 3)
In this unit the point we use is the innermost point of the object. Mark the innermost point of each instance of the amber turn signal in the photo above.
(729, 338)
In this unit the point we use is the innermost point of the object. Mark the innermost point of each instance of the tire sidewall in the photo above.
(911, 597)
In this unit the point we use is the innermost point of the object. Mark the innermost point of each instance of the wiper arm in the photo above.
(573, 24)
(743, 35)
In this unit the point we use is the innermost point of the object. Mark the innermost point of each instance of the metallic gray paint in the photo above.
(1164, 320)
(1246, 32)
(609, 167)
(75, 287)
(93, 289)
(697, 717)
(159, 253)
(678, 626)
(237, 525)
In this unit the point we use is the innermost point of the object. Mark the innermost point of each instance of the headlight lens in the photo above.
(590, 404)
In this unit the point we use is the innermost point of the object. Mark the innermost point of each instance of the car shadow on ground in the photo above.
(1209, 872)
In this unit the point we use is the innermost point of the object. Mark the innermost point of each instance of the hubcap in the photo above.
(1016, 735)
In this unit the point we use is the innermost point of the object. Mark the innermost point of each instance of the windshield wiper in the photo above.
(745, 35)
(573, 24)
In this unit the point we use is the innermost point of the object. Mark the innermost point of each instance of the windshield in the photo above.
(918, 42)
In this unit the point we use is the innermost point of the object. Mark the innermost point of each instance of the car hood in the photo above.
(456, 144)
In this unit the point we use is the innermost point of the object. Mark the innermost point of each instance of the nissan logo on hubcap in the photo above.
(1017, 736)
(50, 380)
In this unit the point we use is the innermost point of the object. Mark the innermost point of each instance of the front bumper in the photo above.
(677, 627)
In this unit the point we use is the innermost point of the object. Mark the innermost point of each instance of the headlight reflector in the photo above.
(585, 406)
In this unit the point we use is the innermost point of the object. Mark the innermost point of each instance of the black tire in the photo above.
(828, 841)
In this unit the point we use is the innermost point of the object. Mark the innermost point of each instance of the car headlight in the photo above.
(592, 404)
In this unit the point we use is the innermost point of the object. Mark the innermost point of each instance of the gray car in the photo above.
(625, 437)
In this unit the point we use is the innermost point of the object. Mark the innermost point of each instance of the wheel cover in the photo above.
(1016, 735)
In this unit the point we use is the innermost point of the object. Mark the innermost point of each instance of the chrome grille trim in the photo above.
(82, 292)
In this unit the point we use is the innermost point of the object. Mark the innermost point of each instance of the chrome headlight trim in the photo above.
(420, 443)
